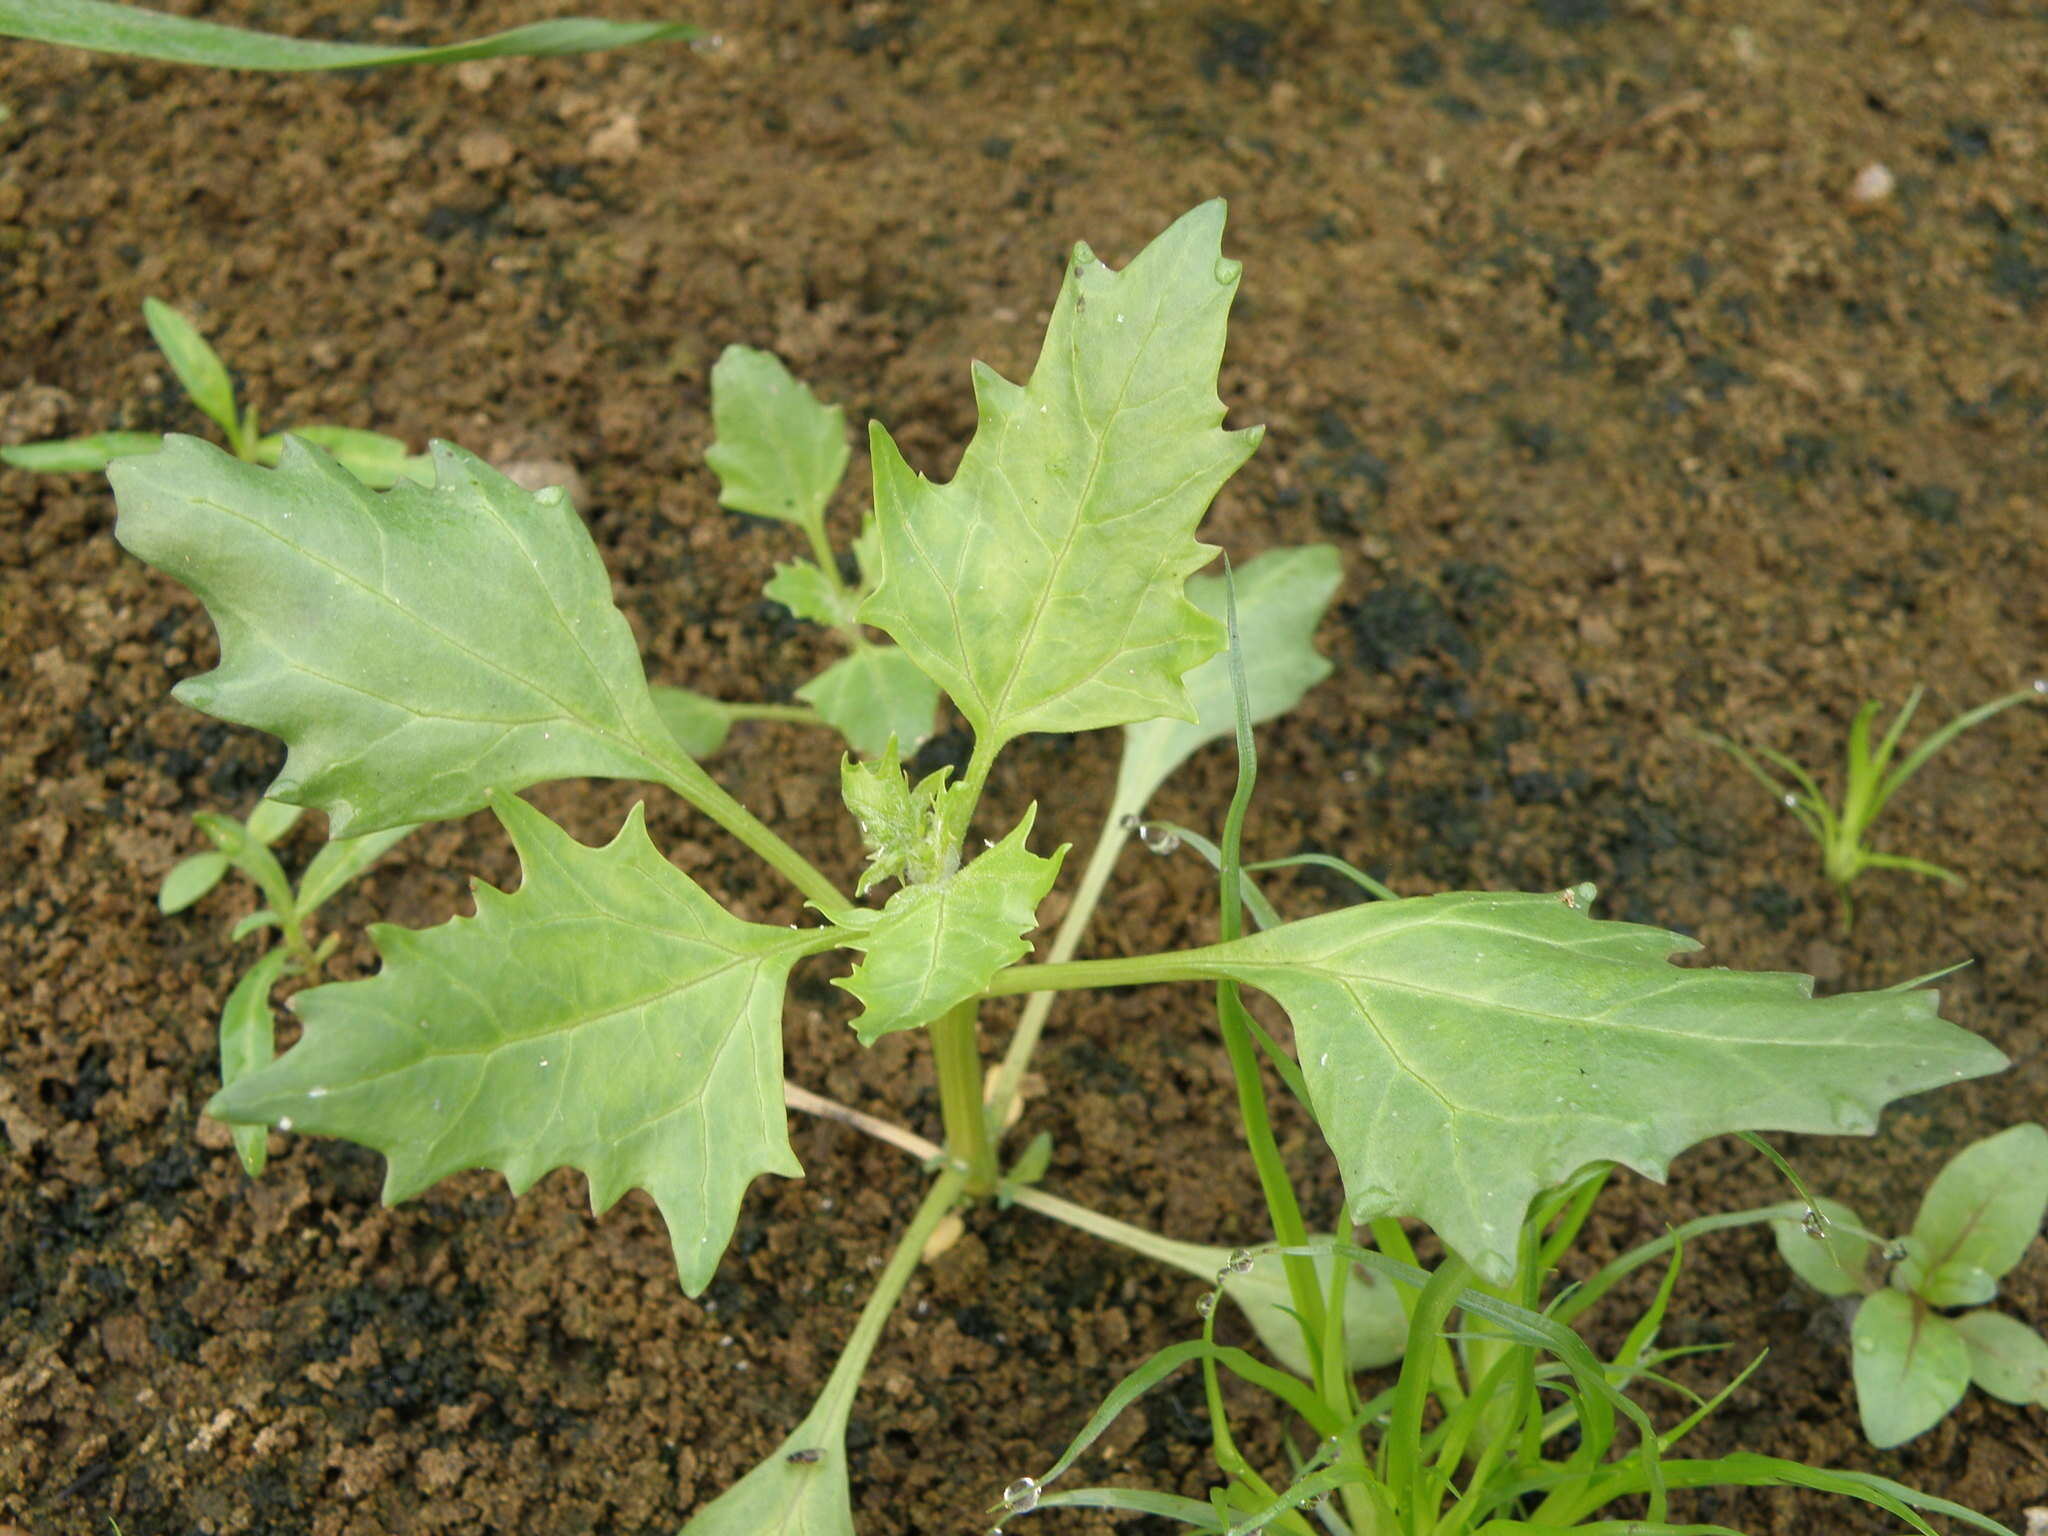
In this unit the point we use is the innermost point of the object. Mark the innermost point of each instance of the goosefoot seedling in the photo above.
(1478, 1062)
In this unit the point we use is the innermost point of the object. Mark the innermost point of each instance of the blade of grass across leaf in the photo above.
(1464, 1051)
(1044, 586)
(608, 1016)
(136, 33)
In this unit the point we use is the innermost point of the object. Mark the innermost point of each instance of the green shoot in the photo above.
(1840, 826)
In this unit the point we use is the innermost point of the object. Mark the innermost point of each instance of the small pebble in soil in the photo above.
(1021, 1496)
(1873, 184)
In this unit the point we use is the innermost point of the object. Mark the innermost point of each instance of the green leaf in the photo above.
(1977, 1218)
(376, 460)
(71, 455)
(779, 452)
(801, 1488)
(1464, 1052)
(609, 1016)
(189, 880)
(1375, 1322)
(1281, 596)
(248, 1042)
(806, 591)
(1834, 1261)
(414, 648)
(340, 860)
(1911, 1367)
(272, 819)
(2007, 1358)
(140, 34)
(1044, 587)
(937, 944)
(867, 553)
(698, 723)
(912, 834)
(873, 696)
(198, 367)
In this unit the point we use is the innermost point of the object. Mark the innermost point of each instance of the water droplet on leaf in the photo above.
(284, 1122)
(1814, 1224)
(1206, 1304)
(1241, 1261)
(1021, 1496)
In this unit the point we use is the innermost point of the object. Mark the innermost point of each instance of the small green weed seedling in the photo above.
(1839, 829)
(371, 457)
(1479, 1063)
(1913, 1353)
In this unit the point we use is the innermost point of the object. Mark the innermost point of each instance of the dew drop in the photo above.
(316, 1093)
(2041, 685)
(284, 1122)
(1241, 1261)
(1021, 1496)
(1866, 1345)
(1894, 1251)
(1791, 800)
(1119, 319)
(1814, 1224)
(1206, 1304)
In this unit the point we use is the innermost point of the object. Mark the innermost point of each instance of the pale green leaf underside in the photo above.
(1910, 1365)
(414, 648)
(938, 944)
(608, 1016)
(780, 1497)
(1465, 1051)
(873, 695)
(779, 452)
(1281, 596)
(1043, 587)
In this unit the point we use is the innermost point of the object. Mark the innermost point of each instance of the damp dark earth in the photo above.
(1652, 371)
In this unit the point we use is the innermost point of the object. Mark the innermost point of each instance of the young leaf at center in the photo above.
(937, 944)
(609, 1016)
(1043, 587)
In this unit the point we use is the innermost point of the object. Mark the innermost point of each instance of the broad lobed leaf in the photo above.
(1043, 587)
(414, 648)
(937, 944)
(1465, 1051)
(608, 1016)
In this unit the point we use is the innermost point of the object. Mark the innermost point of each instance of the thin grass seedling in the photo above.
(1840, 827)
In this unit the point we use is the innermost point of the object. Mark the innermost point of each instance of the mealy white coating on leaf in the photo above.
(609, 1015)
(1043, 586)
(1455, 1089)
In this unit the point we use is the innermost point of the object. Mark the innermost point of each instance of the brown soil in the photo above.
(1567, 331)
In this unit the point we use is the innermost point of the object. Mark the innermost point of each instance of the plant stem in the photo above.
(1087, 895)
(792, 714)
(956, 1053)
(683, 775)
(837, 1396)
